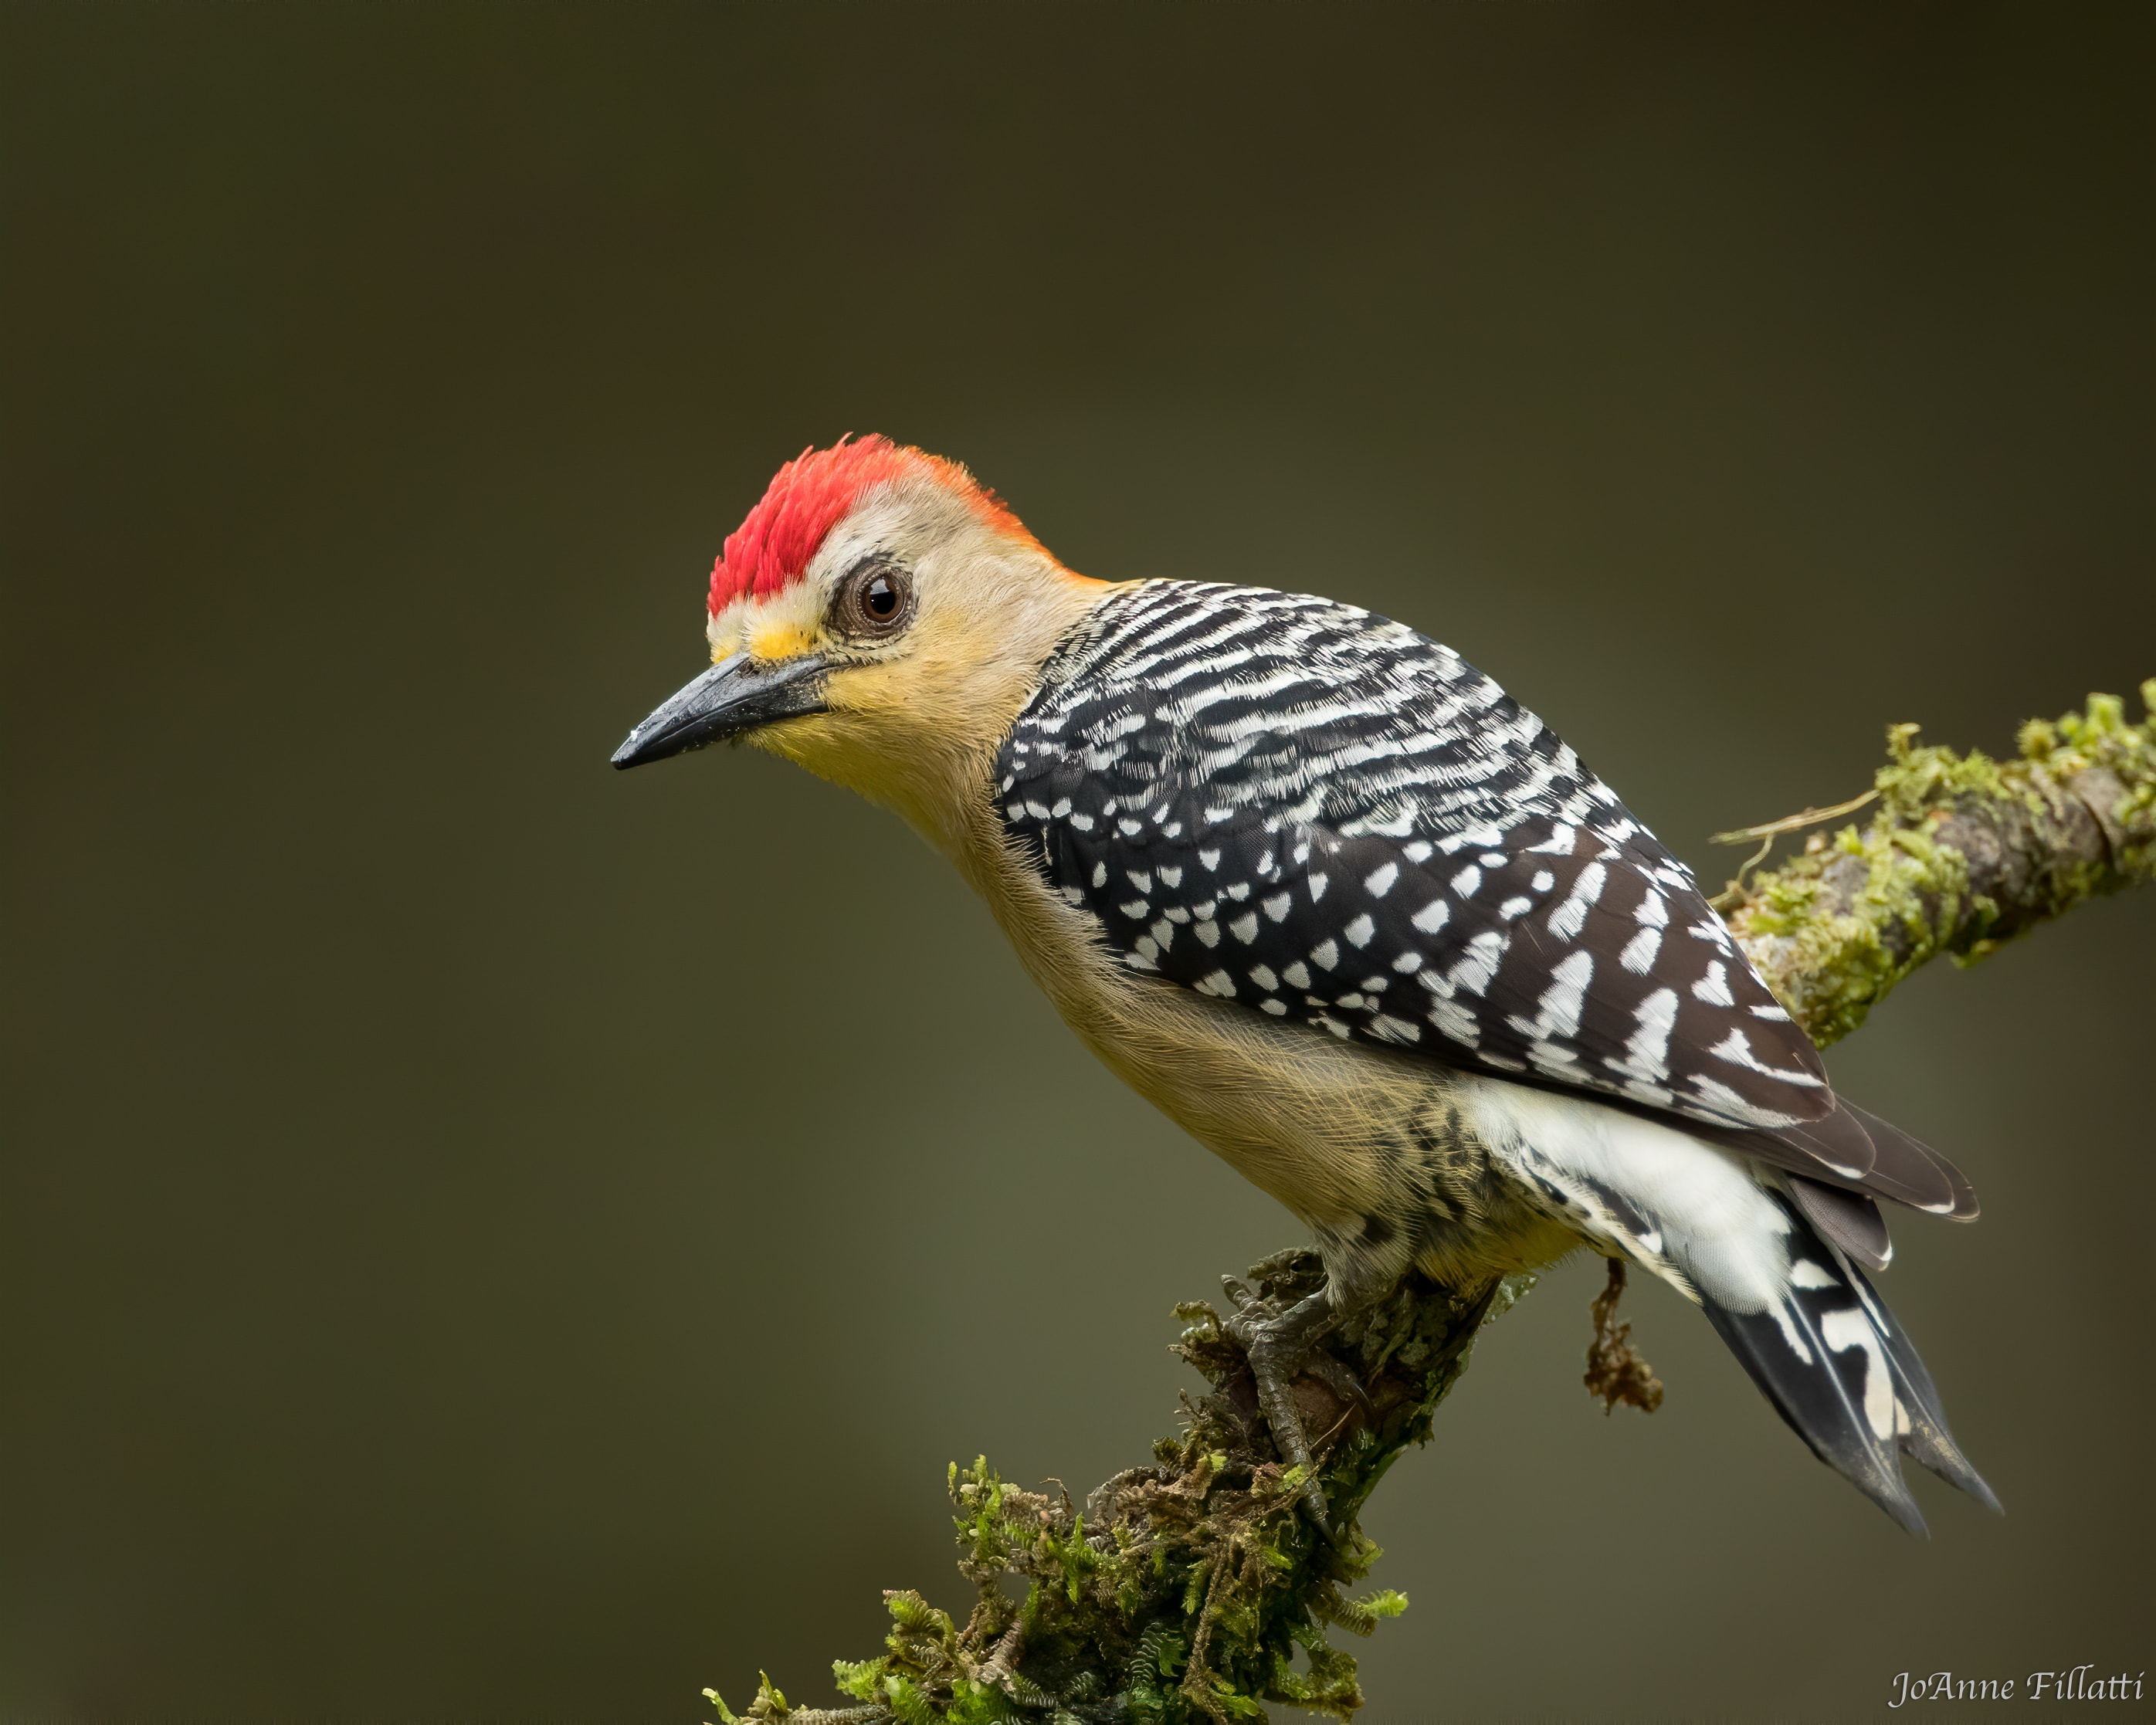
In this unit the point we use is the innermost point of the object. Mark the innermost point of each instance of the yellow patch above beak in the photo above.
(778, 640)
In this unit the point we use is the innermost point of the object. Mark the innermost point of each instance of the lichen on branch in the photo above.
(1961, 854)
(1193, 1589)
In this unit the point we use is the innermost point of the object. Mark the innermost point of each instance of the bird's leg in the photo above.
(1278, 1345)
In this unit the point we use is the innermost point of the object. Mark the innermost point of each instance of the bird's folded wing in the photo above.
(1325, 818)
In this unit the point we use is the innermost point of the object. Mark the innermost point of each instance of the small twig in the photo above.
(1792, 823)
(1767, 832)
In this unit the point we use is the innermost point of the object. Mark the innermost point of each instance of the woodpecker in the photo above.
(1349, 914)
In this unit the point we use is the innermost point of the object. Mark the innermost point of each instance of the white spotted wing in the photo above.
(1330, 819)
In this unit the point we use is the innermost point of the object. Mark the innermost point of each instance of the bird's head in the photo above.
(879, 618)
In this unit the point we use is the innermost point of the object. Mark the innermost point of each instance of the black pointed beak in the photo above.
(736, 694)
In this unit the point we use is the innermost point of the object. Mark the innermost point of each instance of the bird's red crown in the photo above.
(813, 493)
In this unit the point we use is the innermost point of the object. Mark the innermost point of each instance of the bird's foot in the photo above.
(1280, 1346)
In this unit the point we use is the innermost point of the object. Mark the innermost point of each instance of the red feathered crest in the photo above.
(811, 495)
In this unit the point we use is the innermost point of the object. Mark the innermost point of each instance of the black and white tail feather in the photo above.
(1736, 1237)
(1841, 1370)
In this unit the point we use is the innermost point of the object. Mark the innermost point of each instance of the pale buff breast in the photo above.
(1365, 1145)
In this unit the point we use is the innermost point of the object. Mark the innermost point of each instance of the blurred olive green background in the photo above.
(486, 1236)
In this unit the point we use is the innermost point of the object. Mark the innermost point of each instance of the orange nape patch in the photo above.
(811, 495)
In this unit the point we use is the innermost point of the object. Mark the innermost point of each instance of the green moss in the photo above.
(2101, 741)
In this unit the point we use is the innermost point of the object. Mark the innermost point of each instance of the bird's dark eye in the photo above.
(877, 599)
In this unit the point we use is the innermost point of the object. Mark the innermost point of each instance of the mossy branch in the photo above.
(1193, 1589)
(1181, 1591)
(1962, 854)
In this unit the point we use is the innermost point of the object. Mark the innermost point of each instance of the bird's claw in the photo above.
(1338, 1378)
(1280, 1346)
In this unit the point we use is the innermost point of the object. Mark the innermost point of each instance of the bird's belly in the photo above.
(1368, 1148)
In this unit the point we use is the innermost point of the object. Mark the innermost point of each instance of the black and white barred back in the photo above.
(1298, 805)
